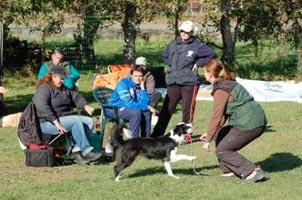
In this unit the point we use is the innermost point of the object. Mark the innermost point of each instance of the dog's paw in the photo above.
(192, 158)
(117, 179)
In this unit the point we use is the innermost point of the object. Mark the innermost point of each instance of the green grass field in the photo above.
(278, 151)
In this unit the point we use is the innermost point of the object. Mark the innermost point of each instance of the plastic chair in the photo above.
(102, 95)
(123, 69)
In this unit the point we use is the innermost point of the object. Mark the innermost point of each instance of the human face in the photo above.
(207, 75)
(56, 58)
(137, 77)
(57, 80)
(185, 35)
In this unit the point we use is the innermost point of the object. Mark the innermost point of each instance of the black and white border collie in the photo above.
(162, 148)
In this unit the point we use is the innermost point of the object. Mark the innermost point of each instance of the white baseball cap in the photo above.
(141, 61)
(187, 26)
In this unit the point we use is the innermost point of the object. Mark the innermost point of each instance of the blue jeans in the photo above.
(79, 126)
(137, 119)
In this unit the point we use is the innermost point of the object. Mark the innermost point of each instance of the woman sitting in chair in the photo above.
(54, 104)
(132, 99)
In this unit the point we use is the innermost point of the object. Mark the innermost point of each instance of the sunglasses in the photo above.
(185, 32)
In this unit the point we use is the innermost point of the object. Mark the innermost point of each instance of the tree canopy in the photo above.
(237, 20)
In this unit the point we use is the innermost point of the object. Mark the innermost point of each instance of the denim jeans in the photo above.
(137, 119)
(79, 126)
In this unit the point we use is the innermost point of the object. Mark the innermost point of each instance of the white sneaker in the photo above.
(108, 153)
(227, 175)
(127, 133)
(257, 175)
(108, 148)
(154, 120)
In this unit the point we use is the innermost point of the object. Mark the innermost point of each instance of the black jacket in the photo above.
(181, 56)
(52, 103)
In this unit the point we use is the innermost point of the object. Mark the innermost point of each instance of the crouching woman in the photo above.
(54, 104)
(247, 121)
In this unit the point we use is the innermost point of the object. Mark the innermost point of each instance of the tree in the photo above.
(134, 13)
(173, 10)
(244, 20)
(93, 15)
(129, 25)
(44, 16)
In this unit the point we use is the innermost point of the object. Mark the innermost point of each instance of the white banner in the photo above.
(272, 91)
(262, 91)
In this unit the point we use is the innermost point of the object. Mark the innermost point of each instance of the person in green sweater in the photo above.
(72, 74)
(247, 121)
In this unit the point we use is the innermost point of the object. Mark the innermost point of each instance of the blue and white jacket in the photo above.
(128, 94)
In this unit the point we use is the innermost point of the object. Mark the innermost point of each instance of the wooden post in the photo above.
(1, 44)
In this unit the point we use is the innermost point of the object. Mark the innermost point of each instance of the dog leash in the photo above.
(193, 167)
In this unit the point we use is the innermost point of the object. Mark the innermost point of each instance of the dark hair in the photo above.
(139, 68)
(218, 70)
(58, 50)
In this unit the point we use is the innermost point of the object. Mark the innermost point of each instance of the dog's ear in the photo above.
(183, 128)
(178, 129)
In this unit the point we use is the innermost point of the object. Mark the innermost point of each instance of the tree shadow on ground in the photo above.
(282, 161)
(16, 103)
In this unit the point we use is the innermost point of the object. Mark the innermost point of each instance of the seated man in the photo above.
(132, 98)
(72, 74)
(149, 81)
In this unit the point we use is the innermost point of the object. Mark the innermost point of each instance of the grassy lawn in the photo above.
(278, 151)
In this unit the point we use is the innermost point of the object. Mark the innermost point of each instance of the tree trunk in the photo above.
(228, 56)
(176, 20)
(91, 25)
(1, 46)
(130, 24)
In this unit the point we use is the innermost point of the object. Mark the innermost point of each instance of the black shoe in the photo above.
(77, 158)
(92, 156)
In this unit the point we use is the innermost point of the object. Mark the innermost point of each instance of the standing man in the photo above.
(57, 60)
(183, 55)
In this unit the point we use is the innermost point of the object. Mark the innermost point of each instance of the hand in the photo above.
(59, 126)
(142, 85)
(194, 67)
(89, 109)
(203, 137)
(3, 90)
(153, 110)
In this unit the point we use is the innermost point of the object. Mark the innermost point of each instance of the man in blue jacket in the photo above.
(133, 100)
(183, 55)
(72, 74)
